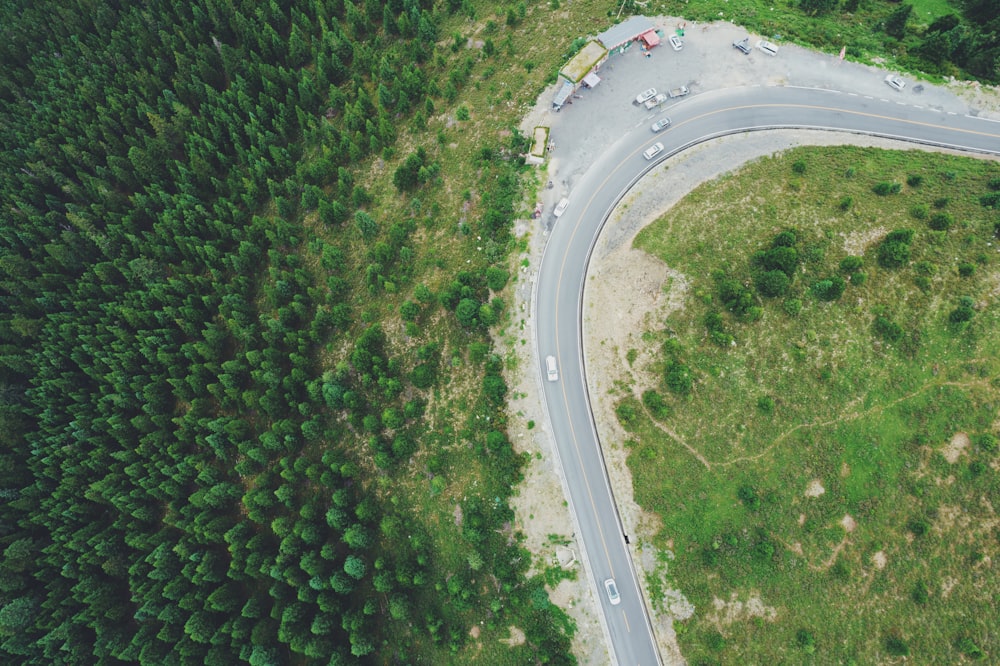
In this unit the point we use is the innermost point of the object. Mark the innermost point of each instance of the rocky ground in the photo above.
(613, 325)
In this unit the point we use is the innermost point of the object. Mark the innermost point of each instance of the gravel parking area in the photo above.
(612, 325)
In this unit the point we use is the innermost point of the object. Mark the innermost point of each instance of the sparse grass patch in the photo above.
(807, 462)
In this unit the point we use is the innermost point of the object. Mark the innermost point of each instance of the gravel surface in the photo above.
(613, 325)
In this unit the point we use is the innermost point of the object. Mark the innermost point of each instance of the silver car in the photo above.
(895, 82)
(612, 590)
(661, 124)
(653, 151)
(644, 95)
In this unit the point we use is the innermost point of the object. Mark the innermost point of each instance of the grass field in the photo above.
(826, 470)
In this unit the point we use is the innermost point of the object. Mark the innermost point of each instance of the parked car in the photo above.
(656, 101)
(612, 590)
(767, 47)
(895, 82)
(679, 91)
(743, 45)
(551, 371)
(661, 124)
(676, 43)
(644, 95)
(560, 207)
(653, 150)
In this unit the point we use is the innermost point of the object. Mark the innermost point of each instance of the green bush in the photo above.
(919, 211)
(765, 404)
(496, 278)
(941, 202)
(851, 264)
(987, 442)
(914, 180)
(885, 189)
(773, 283)
(941, 221)
(893, 254)
(799, 167)
(859, 278)
(923, 283)
(786, 238)
(966, 646)
(961, 314)
(829, 289)
(994, 183)
(896, 646)
(714, 641)
(654, 402)
(846, 203)
(887, 329)
(966, 269)
(626, 413)
(918, 526)
(805, 640)
(920, 594)
(792, 307)
(678, 377)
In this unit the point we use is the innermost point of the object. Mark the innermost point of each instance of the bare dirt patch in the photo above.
(726, 613)
(848, 523)
(880, 559)
(955, 448)
(516, 637)
(815, 488)
(857, 242)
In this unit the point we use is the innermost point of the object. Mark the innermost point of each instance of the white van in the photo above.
(767, 47)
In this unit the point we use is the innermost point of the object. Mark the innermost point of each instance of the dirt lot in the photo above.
(613, 325)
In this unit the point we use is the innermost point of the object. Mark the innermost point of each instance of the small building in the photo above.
(539, 143)
(580, 70)
(618, 38)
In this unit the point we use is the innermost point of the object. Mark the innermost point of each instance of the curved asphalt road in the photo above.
(559, 290)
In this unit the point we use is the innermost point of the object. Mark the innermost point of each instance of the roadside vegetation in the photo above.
(819, 433)
(935, 37)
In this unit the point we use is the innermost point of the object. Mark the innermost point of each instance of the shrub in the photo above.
(792, 307)
(961, 314)
(765, 404)
(773, 283)
(654, 402)
(846, 203)
(799, 167)
(859, 278)
(919, 212)
(896, 646)
(923, 283)
(887, 329)
(941, 221)
(966, 646)
(965, 269)
(496, 278)
(851, 264)
(786, 238)
(678, 377)
(715, 641)
(920, 594)
(925, 268)
(748, 495)
(626, 413)
(829, 289)
(941, 202)
(885, 189)
(805, 640)
(987, 442)
(991, 200)
(782, 258)
(462, 113)
(994, 183)
(918, 526)
(737, 298)
(914, 180)
(894, 251)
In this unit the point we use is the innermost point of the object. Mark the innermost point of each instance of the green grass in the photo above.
(868, 420)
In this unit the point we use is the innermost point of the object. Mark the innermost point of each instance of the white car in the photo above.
(551, 371)
(653, 150)
(656, 101)
(895, 82)
(644, 95)
(676, 43)
(612, 589)
(660, 124)
(767, 47)
(560, 207)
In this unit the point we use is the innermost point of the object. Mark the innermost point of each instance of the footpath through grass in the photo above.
(824, 459)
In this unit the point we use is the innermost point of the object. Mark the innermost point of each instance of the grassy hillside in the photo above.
(821, 441)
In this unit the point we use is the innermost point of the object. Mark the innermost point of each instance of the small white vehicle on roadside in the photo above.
(675, 43)
(612, 590)
(895, 82)
(560, 207)
(644, 95)
(767, 47)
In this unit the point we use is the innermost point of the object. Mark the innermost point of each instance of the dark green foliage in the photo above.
(991, 200)
(851, 264)
(914, 180)
(968, 647)
(829, 289)
(966, 269)
(896, 646)
(784, 258)
(805, 641)
(894, 250)
(918, 526)
(678, 377)
(895, 25)
(961, 314)
(994, 183)
(411, 172)
(748, 495)
(887, 329)
(773, 283)
(884, 189)
(736, 297)
(765, 404)
(799, 166)
(940, 221)
(920, 593)
(846, 202)
(496, 278)
(654, 402)
(792, 307)
(715, 641)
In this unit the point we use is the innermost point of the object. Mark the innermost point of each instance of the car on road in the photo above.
(743, 45)
(560, 207)
(895, 82)
(656, 101)
(661, 124)
(767, 47)
(675, 43)
(644, 95)
(551, 371)
(653, 150)
(612, 590)
(679, 91)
